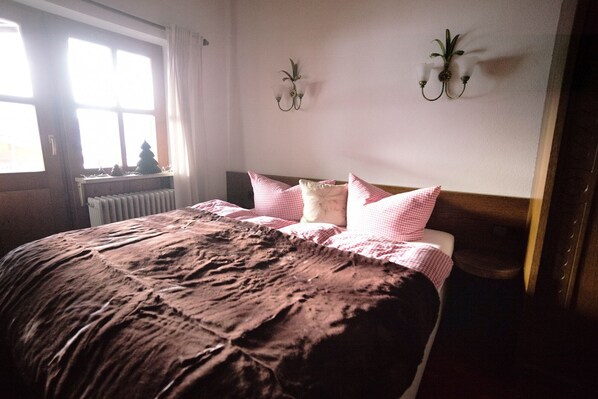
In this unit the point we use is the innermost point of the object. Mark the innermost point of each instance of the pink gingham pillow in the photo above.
(400, 217)
(277, 199)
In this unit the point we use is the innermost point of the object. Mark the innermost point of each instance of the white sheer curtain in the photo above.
(187, 136)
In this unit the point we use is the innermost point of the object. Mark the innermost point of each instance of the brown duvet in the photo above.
(187, 304)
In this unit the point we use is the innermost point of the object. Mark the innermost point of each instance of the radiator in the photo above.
(112, 208)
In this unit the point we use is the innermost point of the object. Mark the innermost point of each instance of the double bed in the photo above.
(217, 300)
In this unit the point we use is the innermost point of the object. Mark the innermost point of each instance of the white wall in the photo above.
(364, 112)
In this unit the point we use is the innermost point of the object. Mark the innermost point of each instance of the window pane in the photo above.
(92, 73)
(100, 141)
(135, 87)
(14, 68)
(139, 128)
(20, 146)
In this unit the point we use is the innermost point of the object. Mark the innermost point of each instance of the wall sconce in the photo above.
(295, 91)
(448, 52)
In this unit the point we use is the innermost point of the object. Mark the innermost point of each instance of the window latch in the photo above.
(52, 140)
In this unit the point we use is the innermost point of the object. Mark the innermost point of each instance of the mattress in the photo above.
(446, 243)
(439, 239)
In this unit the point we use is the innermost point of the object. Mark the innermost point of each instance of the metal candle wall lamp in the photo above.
(295, 91)
(448, 52)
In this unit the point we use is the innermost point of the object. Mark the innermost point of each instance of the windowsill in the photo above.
(82, 181)
(108, 178)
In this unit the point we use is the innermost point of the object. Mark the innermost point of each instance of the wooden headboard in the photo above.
(477, 221)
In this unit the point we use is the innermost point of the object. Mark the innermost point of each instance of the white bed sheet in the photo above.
(439, 239)
(446, 243)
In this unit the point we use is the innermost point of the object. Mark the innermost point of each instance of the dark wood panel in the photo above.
(22, 181)
(576, 177)
(560, 322)
(553, 121)
(477, 221)
(586, 302)
(24, 216)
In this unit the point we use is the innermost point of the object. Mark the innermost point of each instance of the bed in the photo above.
(216, 300)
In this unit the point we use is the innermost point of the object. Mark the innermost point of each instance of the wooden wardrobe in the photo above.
(559, 336)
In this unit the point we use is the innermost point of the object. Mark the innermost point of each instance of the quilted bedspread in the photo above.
(188, 304)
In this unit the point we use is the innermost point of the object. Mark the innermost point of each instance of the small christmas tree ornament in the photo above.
(147, 164)
(116, 171)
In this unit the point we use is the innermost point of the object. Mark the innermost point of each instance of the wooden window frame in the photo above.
(76, 30)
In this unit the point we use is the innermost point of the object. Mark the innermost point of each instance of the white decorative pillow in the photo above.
(324, 203)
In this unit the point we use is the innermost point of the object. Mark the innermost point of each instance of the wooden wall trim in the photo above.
(477, 221)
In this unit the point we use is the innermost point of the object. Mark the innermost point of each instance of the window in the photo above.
(107, 90)
(20, 146)
(115, 104)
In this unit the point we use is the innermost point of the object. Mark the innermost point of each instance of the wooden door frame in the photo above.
(40, 198)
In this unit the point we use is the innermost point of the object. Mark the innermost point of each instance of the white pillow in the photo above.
(324, 203)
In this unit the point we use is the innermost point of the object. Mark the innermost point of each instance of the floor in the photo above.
(475, 352)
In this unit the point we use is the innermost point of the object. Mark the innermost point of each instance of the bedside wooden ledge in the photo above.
(487, 264)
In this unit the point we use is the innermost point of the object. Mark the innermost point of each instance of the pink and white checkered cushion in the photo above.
(277, 199)
(400, 217)
(423, 257)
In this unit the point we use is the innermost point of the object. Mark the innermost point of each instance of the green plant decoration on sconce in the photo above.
(296, 91)
(448, 51)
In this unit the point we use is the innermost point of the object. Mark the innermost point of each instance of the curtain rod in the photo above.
(135, 17)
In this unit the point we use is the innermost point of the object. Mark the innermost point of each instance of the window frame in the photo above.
(32, 100)
(66, 29)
